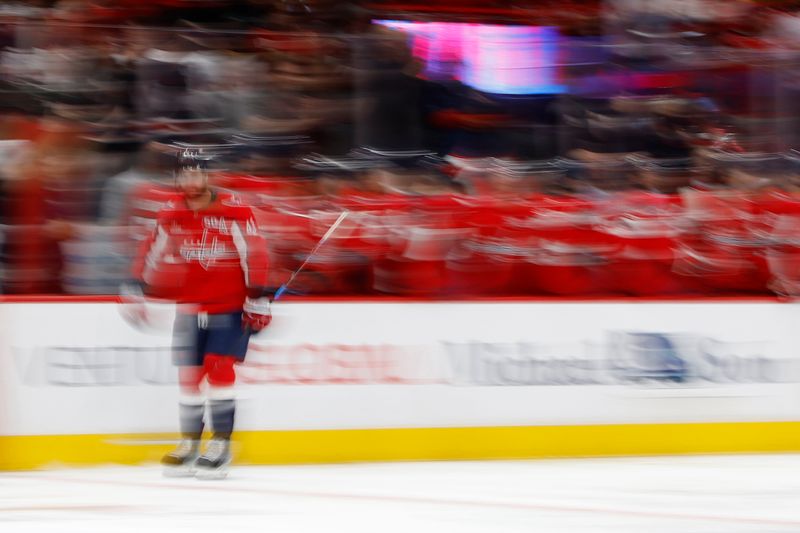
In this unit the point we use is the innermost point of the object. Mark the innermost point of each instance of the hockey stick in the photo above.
(282, 289)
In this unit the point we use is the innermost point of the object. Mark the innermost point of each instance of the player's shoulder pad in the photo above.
(234, 207)
(229, 199)
(172, 208)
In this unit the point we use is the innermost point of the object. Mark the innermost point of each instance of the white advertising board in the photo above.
(70, 368)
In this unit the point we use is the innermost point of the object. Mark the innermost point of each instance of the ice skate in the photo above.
(215, 462)
(180, 462)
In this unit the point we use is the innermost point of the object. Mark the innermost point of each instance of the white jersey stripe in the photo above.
(241, 246)
(158, 247)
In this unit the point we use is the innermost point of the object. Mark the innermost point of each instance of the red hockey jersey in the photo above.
(213, 258)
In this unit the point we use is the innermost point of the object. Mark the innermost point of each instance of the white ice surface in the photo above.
(702, 494)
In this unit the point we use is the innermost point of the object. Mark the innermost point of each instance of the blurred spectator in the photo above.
(653, 152)
(153, 165)
(389, 112)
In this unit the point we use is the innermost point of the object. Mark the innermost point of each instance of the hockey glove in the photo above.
(134, 304)
(257, 314)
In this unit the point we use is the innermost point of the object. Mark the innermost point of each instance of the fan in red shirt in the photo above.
(206, 254)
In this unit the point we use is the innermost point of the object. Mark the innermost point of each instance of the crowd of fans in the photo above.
(665, 163)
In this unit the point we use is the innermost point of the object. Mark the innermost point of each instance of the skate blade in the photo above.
(211, 473)
(179, 471)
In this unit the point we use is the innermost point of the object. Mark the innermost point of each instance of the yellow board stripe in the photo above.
(415, 444)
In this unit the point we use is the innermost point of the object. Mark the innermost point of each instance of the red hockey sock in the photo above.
(219, 369)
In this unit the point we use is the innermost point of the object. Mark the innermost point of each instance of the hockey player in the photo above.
(206, 254)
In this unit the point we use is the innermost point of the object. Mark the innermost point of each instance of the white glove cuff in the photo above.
(257, 306)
